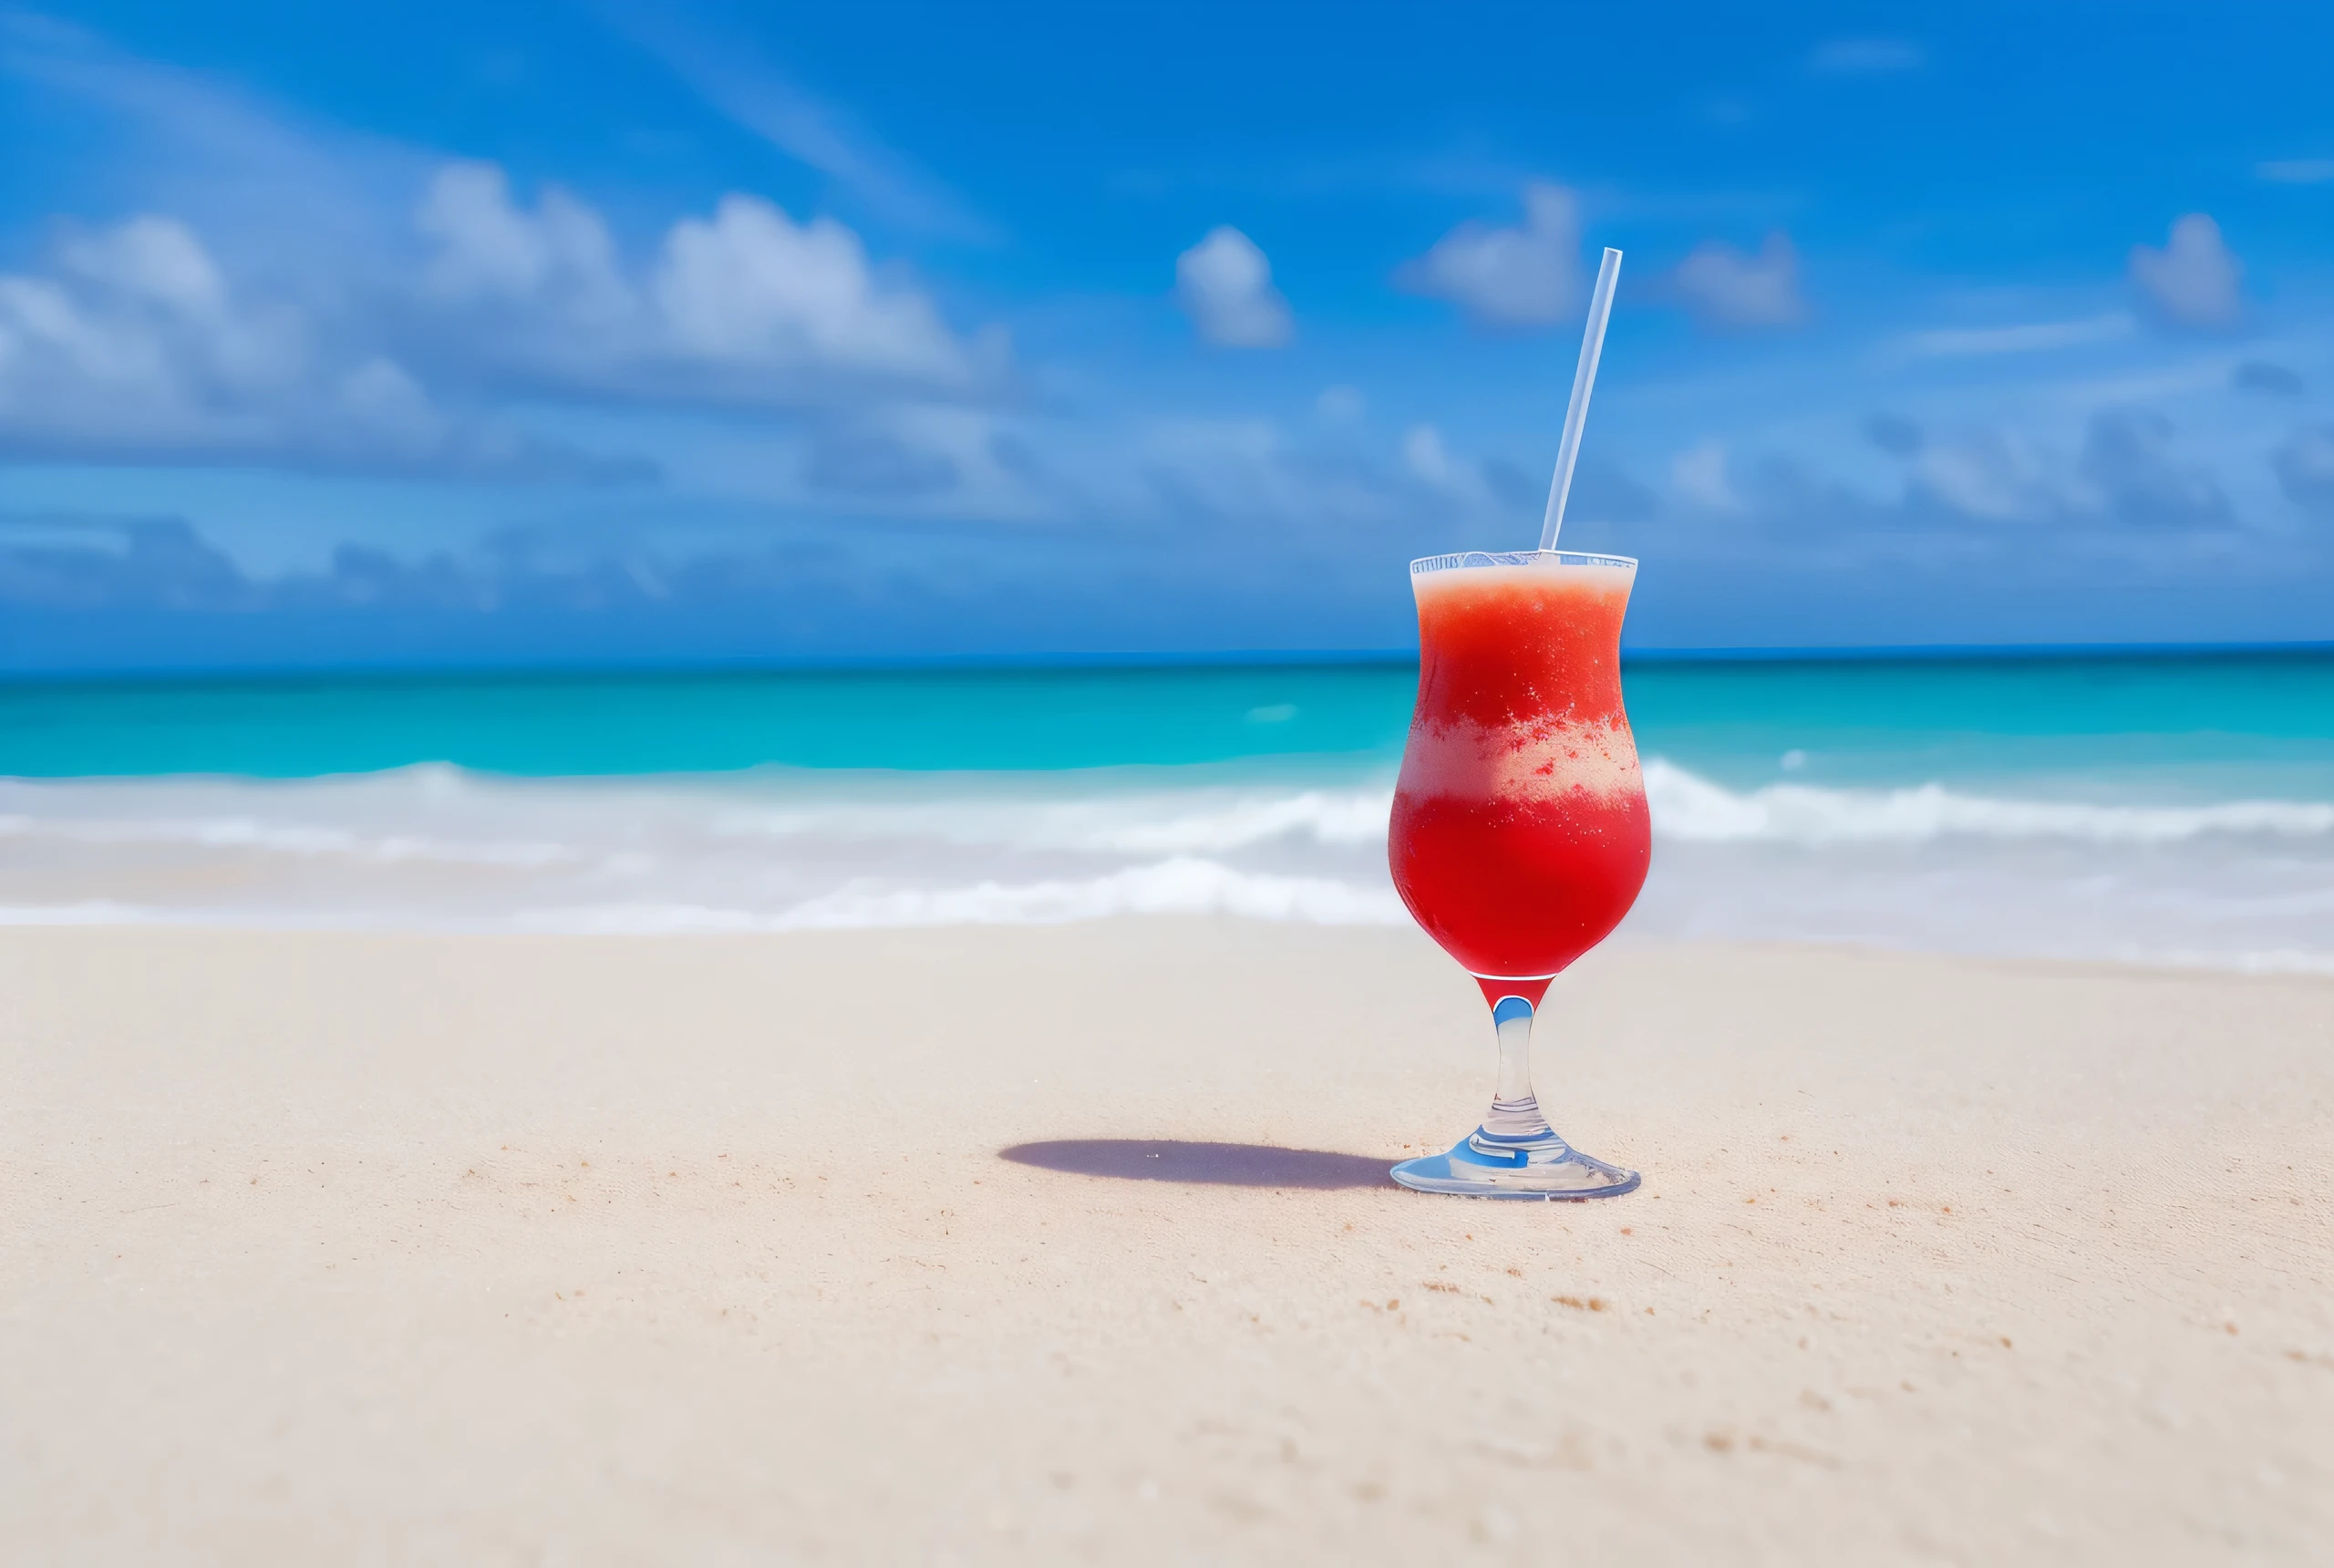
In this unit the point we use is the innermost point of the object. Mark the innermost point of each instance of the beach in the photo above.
(756, 765)
(999, 1243)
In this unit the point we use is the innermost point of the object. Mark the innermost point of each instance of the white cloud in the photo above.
(138, 348)
(2026, 338)
(1341, 402)
(747, 303)
(1728, 289)
(1526, 276)
(488, 249)
(2296, 170)
(154, 259)
(1866, 57)
(753, 287)
(1700, 476)
(1225, 284)
(2192, 280)
(136, 341)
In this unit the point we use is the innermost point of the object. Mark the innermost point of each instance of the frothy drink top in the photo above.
(1519, 685)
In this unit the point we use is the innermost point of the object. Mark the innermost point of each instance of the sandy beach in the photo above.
(919, 1247)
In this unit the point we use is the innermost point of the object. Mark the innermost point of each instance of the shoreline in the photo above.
(103, 915)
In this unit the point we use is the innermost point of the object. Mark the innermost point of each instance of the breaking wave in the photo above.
(1693, 809)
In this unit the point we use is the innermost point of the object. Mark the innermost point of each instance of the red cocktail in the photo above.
(1520, 836)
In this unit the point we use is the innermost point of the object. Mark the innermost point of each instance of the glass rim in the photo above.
(1468, 559)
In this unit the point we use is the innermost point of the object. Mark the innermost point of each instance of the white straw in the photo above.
(1600, 308)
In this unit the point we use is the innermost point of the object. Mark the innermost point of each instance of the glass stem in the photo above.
(1515, 1109)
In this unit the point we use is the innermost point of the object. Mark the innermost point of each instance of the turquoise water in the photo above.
(2178, 726)
(2184, 723)
(598, 725)
(2148, 807)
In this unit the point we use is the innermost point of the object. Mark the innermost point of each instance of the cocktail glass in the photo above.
(1520, 836)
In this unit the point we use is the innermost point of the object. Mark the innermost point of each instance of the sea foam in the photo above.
(2232, 884)
(1694, 809)
(1179, 886)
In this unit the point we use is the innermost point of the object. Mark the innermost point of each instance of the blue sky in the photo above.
(600, 332)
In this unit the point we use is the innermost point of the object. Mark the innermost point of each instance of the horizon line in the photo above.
(1250, 658)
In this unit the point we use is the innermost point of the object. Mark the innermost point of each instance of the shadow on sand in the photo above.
(1207, 1164)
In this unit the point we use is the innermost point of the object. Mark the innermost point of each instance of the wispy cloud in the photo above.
(1987, 475)
(1429, 461)
(2124, 478)
(194, 144)
(1731, 290)
(1698, 476)
(1866, 57)
(2026, 337)
(2296, 170)
(753, 93)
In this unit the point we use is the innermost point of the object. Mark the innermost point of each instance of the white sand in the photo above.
(363, 1248)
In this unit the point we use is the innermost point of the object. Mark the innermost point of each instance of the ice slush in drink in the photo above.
(1520, 836)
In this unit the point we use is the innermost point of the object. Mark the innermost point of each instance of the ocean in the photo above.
(2157, 806)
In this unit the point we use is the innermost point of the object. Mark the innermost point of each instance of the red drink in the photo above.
(1520, 836)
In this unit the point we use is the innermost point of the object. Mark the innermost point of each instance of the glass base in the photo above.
(1485, 1165)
